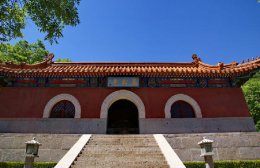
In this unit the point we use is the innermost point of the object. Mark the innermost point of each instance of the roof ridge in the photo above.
(195, 68)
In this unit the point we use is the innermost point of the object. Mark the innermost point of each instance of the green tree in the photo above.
(251, 91)
(50, 16)
(63, 60)
(23, 52)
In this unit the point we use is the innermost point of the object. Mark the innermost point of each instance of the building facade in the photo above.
(125, 97)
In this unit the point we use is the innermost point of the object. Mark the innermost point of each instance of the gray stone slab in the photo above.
(98, 126)
(55, 126)
(195, 154)
(228, 153)
(231, 141)
(196, 125)
(257, 152)
(52, 143)
(221, 140)
(56, 155)
(7, 142)
(227, 146)
(176, 142)
(188, 142)
(13, 155)
(54, 146)
(68, 142)
(248, 152)
(254, 140)
(184, 154)
(1, 155)
(19, 141)
(45, 155)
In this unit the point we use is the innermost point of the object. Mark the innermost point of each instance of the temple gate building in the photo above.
(112, 98)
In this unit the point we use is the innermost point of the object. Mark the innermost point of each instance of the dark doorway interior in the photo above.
(63, 109)
(182, 109)
(123, 118)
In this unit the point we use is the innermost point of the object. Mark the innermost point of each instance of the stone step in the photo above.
(112, 142)
(120, 158)
(120, 146)
(121, 162)
(113, 149)
(123, 142)
(120, 138)
(121, 152)
(121, 166)
(137, 136)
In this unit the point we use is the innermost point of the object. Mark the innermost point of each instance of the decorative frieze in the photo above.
(120, 82)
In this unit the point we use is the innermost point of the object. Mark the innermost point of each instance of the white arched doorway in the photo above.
(122, 94)
(58, 98)
(126, 98)
(183, 97)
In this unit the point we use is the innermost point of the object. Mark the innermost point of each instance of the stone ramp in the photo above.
(139, 151)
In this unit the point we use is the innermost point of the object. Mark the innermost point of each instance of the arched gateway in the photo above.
(122, 109)
(178, 97)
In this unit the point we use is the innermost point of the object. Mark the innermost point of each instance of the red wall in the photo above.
(30, 102)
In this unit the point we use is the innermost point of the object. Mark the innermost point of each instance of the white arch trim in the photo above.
(183, 97)
(58, 98)
(122, 94)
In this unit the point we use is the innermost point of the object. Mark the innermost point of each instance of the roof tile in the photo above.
(195, 68)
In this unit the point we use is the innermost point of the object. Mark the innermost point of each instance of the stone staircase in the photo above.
(139, 151)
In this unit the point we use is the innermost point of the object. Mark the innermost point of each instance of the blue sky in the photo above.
(160, 31)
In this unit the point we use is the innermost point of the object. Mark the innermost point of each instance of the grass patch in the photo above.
(226, 164)
(21, 164)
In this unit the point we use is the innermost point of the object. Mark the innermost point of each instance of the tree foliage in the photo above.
(63, 60)
(50, 16)
(23, 52)
(251, 91)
